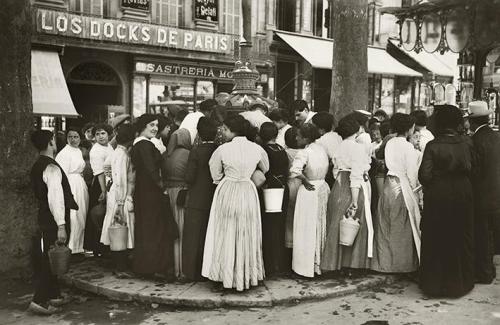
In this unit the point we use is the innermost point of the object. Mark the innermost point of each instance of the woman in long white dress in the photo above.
(120, 198)
(233, 245)
(309, 224)
(70, 158)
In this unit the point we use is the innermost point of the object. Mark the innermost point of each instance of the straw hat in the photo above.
(478, 108)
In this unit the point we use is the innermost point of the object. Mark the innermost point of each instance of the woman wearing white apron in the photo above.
(397, 234)
(70, 158)
(120, 203)
(309, 224)
(351, 190)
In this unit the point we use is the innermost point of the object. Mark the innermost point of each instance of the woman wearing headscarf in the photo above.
(396, 232)
(174, 166)
(350, 191)
(309, 223)
(154, 226)
(447, 251)
(233, 245)
(70, 158)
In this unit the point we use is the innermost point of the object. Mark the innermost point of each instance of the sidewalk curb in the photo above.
(208, 295)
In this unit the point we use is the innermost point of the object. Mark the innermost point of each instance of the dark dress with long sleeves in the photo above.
(200, 194)
(276, 256)
(486, 184)
(447, 225)
(154, 225)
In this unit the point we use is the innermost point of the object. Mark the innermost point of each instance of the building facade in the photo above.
(137, 56)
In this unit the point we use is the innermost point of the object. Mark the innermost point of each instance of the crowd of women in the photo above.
(191, 191)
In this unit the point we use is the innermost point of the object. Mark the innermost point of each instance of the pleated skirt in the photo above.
(233, 244)
(336, 256)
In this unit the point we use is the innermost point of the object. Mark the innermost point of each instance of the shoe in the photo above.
(43, 309)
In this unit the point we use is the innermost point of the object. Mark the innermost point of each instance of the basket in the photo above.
(273, 199)
(349, 228)
(118, 237)
(59, 258)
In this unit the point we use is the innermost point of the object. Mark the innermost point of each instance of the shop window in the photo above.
(232, 16)
(387, 95)
(92, 7)
(286, 15)
(319, 16)
(204, 90)
(374, 84)
(373, 22)
(425, 97)
(139, 105)
(403, 98)
(168, 12)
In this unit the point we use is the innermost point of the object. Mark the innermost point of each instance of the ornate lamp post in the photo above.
(245, 73)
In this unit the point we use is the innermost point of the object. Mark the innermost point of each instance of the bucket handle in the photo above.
(276, 178)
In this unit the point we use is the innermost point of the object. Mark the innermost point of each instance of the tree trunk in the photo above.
(349, 30)
(17, 216)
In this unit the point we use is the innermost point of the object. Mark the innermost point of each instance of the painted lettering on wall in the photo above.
(186, 70)
(113, 30)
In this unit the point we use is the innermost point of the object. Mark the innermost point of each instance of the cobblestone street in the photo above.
(398, 303)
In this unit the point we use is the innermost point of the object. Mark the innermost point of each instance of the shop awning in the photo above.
(440, 64)
(319, 53)
(49, 91)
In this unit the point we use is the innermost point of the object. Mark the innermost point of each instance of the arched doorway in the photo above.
(93, 87)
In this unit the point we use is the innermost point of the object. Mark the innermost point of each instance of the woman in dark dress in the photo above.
(154, 225)
(200, 194)
(276, 259)
(447, 260)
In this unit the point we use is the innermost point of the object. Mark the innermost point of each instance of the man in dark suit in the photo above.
(486, 184)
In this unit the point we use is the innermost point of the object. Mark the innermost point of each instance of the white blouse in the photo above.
(53, 178)
(330, 142)
(238, 159)
(280, 139)
(351, 156)
(98, 155)
(71, 160)
(402, 159)
(311, 161)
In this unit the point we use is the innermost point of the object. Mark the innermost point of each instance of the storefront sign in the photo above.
(120, 31)
(136, 4)
(206, 10)
(184, 70)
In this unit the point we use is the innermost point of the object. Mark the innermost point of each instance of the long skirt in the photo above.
(93, 227)
(309, 228)
(336, 256)
(128, 214)
(195, 230)
(178, 213)
(447, 253)
(293, 187)
(78, 217)
(275, 253)
(233, 246)
(394, 249)
(155, 232)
